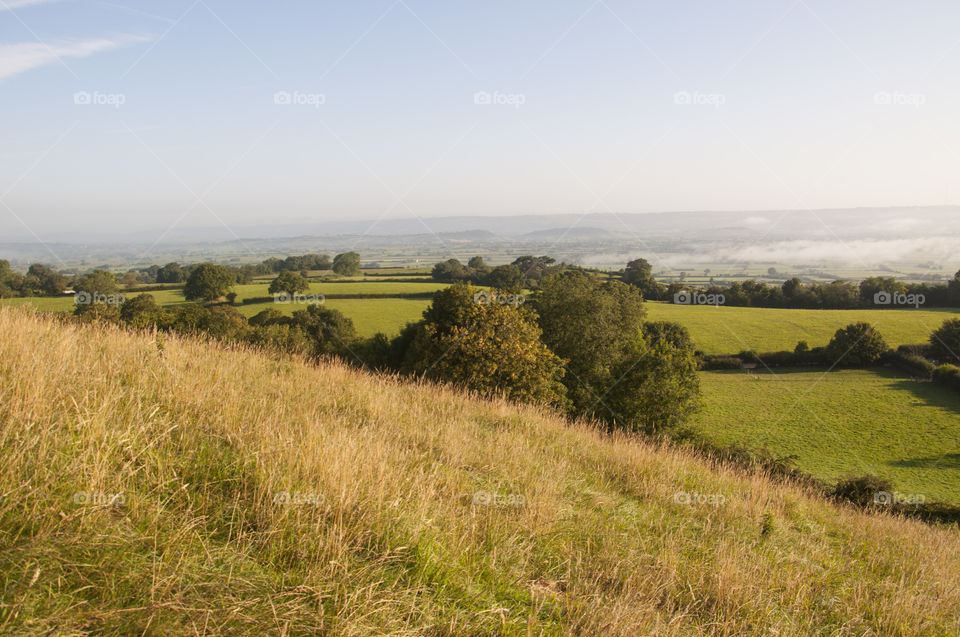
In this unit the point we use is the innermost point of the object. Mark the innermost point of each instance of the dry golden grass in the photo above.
(384, 531)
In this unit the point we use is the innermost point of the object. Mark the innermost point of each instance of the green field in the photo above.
(727, 330)
(842, 423)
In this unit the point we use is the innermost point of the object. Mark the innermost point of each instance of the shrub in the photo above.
(948, 376)
(914, 365)
(945, 341)
(857, 345)
(862, 490)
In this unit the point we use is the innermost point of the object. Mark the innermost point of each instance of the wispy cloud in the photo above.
(9, 5)
(20, 57)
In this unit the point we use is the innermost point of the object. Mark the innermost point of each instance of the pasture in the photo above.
(728, 330)
(842, 423)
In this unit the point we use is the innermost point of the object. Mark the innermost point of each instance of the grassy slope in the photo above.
(389, 537)
(842, 423)
(727, 330)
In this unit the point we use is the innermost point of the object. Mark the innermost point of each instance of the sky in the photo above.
(135, 115)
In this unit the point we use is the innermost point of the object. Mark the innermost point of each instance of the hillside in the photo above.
(156, 485)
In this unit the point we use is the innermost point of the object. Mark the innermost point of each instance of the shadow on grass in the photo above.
(947, 461)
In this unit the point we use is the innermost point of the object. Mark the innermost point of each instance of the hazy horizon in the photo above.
(126, 117)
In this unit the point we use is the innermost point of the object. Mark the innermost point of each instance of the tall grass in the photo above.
(159, 485)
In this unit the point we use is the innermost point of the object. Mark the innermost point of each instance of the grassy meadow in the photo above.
(842, 423)
(728, 330)
(173, 486)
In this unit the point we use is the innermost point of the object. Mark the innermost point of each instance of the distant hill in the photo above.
(158, 485)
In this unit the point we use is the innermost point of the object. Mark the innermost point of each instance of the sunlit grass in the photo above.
(261, 495)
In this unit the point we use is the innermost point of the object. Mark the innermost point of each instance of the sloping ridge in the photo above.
(169, 486)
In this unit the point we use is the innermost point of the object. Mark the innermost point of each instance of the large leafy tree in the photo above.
(633, 375)
(208, 282)
(289, 282)
(590, 323)
(347, 264)
(140, 311)
(42, 280)
(171, 273)
(857, 345)
(657, 387)
(488, 348)
(96, 282)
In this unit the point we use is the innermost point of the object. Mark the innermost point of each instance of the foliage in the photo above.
(491, 349)
(208, 282)
(857, 345)
(945, 341)
(289, 282)
(347, 264)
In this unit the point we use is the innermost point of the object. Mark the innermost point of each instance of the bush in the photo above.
(720, 362)
(948, 376)
(862, 490)
(857, 345)
(916, 366)
(945, 341)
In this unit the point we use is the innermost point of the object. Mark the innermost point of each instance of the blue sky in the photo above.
(136, 115)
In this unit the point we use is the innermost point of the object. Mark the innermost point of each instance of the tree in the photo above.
(289, 282)
(170, 273)
(657, 387)
(489, 348)
(140, 311)
(330, 330)
(42, 280)
(638, 272)
(592, 324)
(208, 282)
(97, 282)
(347, 264)
(508, 278)
(945, 341)
(449, 271)
(476, 263)
(857, 345)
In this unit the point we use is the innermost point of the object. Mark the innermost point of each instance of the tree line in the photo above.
(41, 280)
